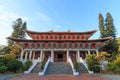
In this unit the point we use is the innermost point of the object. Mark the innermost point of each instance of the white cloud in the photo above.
(43, 17)
(6, 20)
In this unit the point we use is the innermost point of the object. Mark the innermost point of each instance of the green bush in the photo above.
(42, 65)
(96, 69)
(26, 66)
(2, 64)
(117, 70)
(93, 63)
(14, 65)
(3, 69)
(76, 66)
(28, 63)
(111, 67)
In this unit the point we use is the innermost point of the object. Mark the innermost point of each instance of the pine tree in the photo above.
(107, 29)
(101, 25)
(18, 27)
(109, 26)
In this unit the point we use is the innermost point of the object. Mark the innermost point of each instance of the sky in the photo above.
(57, 15)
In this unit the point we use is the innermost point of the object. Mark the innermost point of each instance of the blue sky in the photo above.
(57, 15)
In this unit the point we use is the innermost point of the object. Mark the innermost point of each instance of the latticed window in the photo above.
(75, 46)
(51, 37)
(38, 45)
(64, 36)
(78, 37)
(80, 46)
(26, 45)
(55, 37)
(48, 45)
(93, 45)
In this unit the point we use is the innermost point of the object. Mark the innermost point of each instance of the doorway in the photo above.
(60, 57)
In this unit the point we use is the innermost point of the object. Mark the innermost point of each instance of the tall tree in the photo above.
(110, 26)
(18, 27)
(107, 29)
(101, 25)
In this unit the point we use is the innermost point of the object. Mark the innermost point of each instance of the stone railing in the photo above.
(45, 67)
(85, 64)
(72, 66)
(32, 66)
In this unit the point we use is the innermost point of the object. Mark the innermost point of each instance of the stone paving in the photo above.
(6, 76)
(35, 76)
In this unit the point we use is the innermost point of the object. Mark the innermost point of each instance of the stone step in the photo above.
(82, 68)
(36, 69)
(59, 68)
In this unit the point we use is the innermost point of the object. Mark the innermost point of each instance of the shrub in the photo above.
(2, 64)
(76, 66)
(93, 63)
(111, 66)
(42, 65)
(117, 70)
(3, 69)
(14, 65)
(27, 64)
(24, 68)
(96, 69)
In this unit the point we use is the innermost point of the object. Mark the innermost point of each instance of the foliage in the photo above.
(2, 64)
(101, 25)
(114, 65)
(18, 27)
(42, 65)
(15, 49)
(76, 65)
(3, 69)
(93, 62)
(5, 49)
(14, 65)
(6, 58)
(27, 64)
(110, 28)
(9, 56)
(107, 29)
(111, 47)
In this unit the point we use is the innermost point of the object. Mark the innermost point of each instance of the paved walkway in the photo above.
(6, 76)
(111, 76)
(34, 76)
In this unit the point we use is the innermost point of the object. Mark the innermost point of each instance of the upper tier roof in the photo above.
(29, 40)
(57, 35)
(53, 32)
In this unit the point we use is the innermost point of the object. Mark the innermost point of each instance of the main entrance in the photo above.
(60, 56)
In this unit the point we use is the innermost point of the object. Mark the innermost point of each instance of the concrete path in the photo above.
(111, 77)
(7, 76)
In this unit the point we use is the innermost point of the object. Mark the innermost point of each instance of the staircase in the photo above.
(59, 68)
(82, 68)
(36, 69)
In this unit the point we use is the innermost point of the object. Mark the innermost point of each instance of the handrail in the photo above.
(45, 67)
(85, 64)
(72, 66)
(32, 66)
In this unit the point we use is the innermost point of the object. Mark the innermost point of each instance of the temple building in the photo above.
(58, 45)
